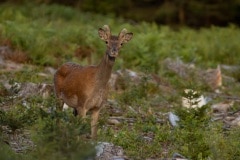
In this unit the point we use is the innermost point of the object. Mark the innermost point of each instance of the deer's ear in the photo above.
(124, 37)
(104, 33)
(128, 37)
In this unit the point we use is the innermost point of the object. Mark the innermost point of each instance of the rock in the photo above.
(177, 66)
(173, 119)
(132, 109)
(113, 81)
(177, 156)
(25, 90)
(13, 87)
(33, 89)
(121, 78)
(212, 77)
(222, 107)
(19, 140)
(133, 75)
(230, 118)
(5, 51)
(108, 151)
(231, 68)
(50, 70)
(236, 122)
(9, 66)
(147, 139)
(113, 122)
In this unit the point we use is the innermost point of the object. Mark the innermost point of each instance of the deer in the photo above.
(85, 88)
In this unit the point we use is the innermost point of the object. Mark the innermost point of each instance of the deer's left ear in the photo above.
(104, 33)
(124, 37)
(128, 37)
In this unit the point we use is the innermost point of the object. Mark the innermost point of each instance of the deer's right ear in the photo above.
(102, 34)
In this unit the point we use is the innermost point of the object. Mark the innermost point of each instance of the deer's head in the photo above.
(114, 43)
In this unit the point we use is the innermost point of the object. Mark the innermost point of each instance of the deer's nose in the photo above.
(114, 52)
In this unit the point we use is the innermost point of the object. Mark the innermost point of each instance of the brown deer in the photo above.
(85, 88)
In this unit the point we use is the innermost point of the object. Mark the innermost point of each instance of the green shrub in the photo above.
(59, 137)
(192, 133)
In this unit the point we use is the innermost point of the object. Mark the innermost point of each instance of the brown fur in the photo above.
(85, 88)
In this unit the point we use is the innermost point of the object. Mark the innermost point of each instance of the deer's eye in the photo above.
(121, 44)
(106, 42)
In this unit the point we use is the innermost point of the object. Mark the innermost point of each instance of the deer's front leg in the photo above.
(81, 111)
(94, 120)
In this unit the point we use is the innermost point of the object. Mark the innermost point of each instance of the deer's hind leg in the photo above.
(58, 83)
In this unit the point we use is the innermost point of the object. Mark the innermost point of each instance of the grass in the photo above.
(38, 30)
(49, 36)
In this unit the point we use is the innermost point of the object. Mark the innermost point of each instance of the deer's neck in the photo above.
(104, 70)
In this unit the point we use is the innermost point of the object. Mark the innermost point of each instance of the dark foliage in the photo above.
(193, 13)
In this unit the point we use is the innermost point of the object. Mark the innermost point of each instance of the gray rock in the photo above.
(173, 119)
(108, 151)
